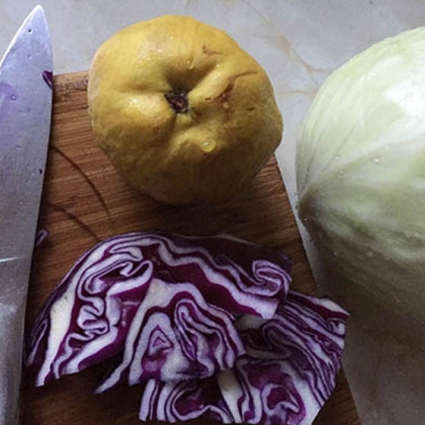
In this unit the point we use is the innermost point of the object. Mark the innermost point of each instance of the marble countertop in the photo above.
(298, 42)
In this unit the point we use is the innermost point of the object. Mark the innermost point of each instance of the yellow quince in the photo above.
(182, 112)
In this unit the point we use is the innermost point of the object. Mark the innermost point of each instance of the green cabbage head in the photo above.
(361, 196)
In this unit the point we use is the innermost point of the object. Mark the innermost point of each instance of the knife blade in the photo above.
(25, 115)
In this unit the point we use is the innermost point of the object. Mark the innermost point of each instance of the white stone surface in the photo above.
(299, 42)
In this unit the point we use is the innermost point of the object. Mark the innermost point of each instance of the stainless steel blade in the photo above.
(25, 113)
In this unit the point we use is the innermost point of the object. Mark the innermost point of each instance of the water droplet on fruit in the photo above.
(208, 145)
(377, 159)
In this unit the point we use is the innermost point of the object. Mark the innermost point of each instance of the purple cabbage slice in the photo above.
(285, 377)
(175, 335)
(87, 318)
(183, 401)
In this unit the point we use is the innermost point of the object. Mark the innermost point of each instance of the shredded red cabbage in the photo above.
(41, 236)
(88, 317)
(285, 377)
(175, 335)
(206, 325)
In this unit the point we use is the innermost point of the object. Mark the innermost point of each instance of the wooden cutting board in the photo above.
(85, 200)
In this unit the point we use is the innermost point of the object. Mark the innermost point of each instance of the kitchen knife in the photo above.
(25, 113)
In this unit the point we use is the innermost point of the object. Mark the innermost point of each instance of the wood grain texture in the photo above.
(85, 200)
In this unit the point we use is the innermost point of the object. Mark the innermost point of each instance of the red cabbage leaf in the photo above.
(175, 335)
(87, 319)
(285, 377)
